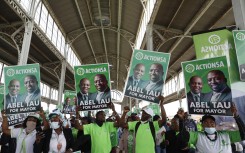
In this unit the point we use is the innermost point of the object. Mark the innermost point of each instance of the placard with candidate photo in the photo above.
(93, 86)
(1, 96)
(70, 99)
(147, 74)
(239, 40)
(207, 86)
(22, 89)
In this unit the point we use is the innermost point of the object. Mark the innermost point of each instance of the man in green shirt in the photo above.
(99, 131)
(145, 142)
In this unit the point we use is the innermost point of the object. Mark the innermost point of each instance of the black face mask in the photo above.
(99, 123)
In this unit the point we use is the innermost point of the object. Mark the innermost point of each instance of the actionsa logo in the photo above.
(189, 68)
(214, 39)
(80, 71)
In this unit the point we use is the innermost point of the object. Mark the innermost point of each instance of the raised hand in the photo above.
(161, 99)
(234, 110)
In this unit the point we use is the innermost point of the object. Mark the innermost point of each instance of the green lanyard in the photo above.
(23, 144)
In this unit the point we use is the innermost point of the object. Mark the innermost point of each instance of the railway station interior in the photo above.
(61, 34)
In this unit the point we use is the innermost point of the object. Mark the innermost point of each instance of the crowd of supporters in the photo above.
(128, 133)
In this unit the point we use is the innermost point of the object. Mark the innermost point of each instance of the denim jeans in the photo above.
(160, 150)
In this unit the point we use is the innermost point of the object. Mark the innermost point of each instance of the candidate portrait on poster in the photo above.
(146, 75)
(70, 100)
(207, 86)
(22, 91)
(93, 86)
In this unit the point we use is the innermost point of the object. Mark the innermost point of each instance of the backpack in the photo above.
(153, 132)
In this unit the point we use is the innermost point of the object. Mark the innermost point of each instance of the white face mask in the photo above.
(210, 130)
(55, 125)
(30, 126)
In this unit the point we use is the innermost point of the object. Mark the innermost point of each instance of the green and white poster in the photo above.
(93, 86)
(22, 89)
(207, 86)
(239, 40)
(70, 98)
(1, 96)
(147, 75)
(221, 42)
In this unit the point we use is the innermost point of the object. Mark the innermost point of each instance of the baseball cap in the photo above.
(148, 111)
(35, 115)
(55, 112)
(206, 116)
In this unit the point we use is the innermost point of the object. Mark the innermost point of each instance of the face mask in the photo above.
(210, 130)
(30, 126)
(55, 125)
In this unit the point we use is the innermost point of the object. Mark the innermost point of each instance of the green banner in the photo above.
(1, 96)
(22, 92)
(147, 75)
(70, 98)
(239, 40)
(207, 85)
(93, 86)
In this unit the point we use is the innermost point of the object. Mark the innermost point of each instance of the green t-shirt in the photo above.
(114, 140)
(100, 136)
(144, 140)
(74, 133)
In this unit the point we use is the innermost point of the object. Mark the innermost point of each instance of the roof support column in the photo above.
(28, 33)
(239, 13)
(26, 43)
(62, 76)
(149, 37)
(61, 81)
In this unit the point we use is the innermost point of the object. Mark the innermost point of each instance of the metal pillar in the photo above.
(239, 13)
(50, 94)
(28, 33)
(61, 81)
(149, 37)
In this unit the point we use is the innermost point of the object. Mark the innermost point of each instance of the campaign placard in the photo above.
(22, 89)
(70, 98)
(1, 96)
(207, 86)
(15, 119)
(93, 86)
(147, 74)
(239, 40)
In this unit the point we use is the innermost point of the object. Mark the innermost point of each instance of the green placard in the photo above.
(207, 85)
(22, 92)
(70, 98)
(1, 96)
(217, 43)
(239, 40)
(147, 75)
(93, 86)
(155, 108)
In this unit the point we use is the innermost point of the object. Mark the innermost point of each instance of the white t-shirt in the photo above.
(24, 142)
(55, 140)
(159, 137)
(221, 145)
